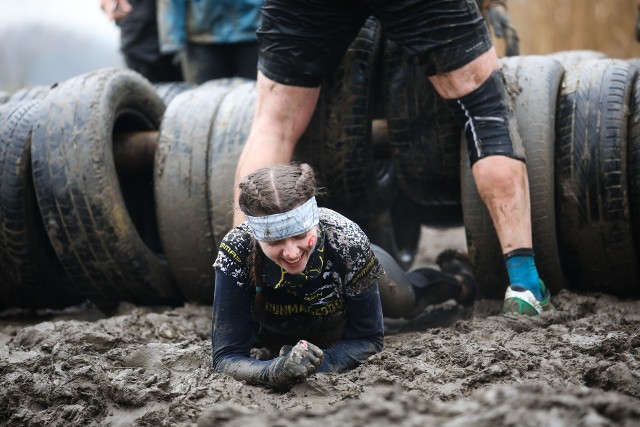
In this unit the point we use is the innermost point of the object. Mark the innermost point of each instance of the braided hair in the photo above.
(276, 189)
(273, 190)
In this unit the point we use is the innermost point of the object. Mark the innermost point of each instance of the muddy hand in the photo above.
(296, 366)
(285, 349)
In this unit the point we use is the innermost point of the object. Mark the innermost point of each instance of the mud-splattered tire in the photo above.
(571, 58)
(32, 276)
(230, 132)
(633, 149)
(89, 219)
(181, 183)
(635, 62)
(593, 211)
(32, 93)
(397, 228)
(169, 90)
(337, 142)
(399, 232)
(533, 84)
(423, 134)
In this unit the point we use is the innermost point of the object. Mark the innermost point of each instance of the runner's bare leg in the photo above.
(501, 181)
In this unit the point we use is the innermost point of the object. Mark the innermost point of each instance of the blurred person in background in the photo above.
(497, 18)
(214, 38)
(139, 39)
(638, 21)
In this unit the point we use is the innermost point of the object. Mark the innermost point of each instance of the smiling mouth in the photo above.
(292, 262)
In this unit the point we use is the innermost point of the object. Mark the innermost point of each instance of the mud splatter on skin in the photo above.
(579, 365)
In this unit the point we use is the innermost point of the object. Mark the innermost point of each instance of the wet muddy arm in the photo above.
(363, 335)
(231, 337)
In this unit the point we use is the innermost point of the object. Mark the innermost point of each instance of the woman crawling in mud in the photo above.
(304, 284)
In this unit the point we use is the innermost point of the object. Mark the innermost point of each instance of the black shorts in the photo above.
(302, 41)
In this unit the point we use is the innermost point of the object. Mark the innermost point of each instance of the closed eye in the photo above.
(301, 236)
(296, 237)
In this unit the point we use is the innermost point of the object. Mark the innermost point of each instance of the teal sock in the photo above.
(523, 272)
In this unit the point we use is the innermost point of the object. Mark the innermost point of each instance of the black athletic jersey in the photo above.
(342, 264)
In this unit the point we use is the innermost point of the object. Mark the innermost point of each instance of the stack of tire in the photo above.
(112, 189)
(115, 190)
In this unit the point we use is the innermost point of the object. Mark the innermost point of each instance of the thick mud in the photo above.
(577, 366)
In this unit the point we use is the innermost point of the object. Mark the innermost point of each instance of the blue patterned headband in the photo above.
(270, 228)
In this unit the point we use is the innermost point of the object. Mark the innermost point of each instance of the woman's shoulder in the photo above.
(234, 249)
(352, 250)
(341, 230)
(238, 236)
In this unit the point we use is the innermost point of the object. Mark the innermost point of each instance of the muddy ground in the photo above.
(577, 366)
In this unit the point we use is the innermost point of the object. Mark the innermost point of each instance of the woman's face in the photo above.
(293, 252)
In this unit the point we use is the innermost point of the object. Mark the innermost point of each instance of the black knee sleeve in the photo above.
(488, 121)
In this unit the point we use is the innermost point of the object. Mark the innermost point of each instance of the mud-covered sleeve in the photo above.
(232, 329)
(364, 332)
(231, 336)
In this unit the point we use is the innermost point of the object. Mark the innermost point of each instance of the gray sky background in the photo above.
(47, 41)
